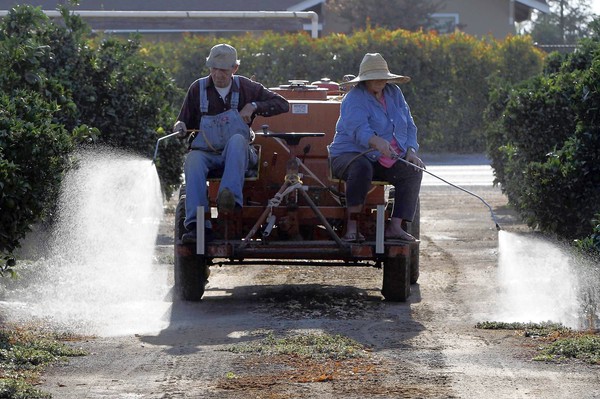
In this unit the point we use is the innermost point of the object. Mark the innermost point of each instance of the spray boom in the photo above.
(158, 142)
(455, 186)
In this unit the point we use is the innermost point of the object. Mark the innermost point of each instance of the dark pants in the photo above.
(359, 172)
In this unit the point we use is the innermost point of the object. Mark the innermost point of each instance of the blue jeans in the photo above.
(233, 161)
(358, 172)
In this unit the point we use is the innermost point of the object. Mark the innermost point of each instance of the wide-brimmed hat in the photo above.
(222, 56)
(374, 67)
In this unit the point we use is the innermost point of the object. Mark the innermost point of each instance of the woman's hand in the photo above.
(412, 157)
(382, 145)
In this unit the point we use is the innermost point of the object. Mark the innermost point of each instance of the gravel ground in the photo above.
(425, 348)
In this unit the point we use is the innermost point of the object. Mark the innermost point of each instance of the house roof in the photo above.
(203, 5)
(172, 5)
(539, 5)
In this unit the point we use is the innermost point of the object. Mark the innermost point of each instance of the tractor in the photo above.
(294, 209)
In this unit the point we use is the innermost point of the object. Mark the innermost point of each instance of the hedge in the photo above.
(451, 74)
(59, 90)
(544, 143)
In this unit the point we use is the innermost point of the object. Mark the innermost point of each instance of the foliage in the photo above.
(544, 143)
(60, 90)
(314, 346)
(389, 14)
(566, 23)
(23, 355)
(591, 243)
(33, 155)
(585, 347)
(451, 74)
(564, 343)
(543, 329)
(133, 103)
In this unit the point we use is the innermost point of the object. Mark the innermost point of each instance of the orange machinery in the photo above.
(294, 212)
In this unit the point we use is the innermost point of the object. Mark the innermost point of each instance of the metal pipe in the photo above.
(158, 142)
(455, 186)
(380, 230)
(323, 220)
(313, 16)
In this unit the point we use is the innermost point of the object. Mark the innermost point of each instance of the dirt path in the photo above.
(427, 348)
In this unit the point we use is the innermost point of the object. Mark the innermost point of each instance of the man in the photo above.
(219, 110)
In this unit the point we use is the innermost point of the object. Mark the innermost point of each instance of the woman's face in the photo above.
(375, 86)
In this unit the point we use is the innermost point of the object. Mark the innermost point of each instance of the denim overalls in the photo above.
(221, 144)
(215, 130)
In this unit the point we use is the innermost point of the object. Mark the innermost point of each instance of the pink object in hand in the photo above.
(387, 162)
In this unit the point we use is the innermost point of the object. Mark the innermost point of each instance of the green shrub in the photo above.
(105, 84)
(133, 104)
(61, 89)
(544, 142)
(33, 155)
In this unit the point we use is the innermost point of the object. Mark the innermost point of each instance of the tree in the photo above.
(59, 90)
(390, 14)
(544, 142)
(567, 22)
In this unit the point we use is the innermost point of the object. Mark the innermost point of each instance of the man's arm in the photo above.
(266, 102)
(190, 112)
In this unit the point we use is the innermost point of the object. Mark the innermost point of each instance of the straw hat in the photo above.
(374, 67)
(222, 56)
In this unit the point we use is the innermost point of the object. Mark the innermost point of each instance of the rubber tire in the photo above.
(396, 279)
(190, 270)
(414, 228)
(414, 263)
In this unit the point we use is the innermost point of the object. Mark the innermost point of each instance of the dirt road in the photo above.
(426, 348)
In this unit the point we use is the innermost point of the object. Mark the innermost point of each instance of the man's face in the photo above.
(222, 77)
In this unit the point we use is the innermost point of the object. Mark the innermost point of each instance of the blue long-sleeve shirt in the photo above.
(362, 116)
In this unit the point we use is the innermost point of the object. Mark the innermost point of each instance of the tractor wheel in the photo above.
(396, 278)
(191, 270)
(414, 228)
(414, 263)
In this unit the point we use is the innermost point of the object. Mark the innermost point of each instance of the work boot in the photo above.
(189, 236)
(225, 201)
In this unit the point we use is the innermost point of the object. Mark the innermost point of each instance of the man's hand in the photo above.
(180, 128)
(247, 111)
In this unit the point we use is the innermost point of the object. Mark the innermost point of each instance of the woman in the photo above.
(375, 128)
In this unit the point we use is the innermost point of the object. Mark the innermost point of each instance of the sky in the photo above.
(595, 6)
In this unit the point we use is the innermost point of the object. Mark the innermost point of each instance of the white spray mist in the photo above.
(99, 277)
(537, 282)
